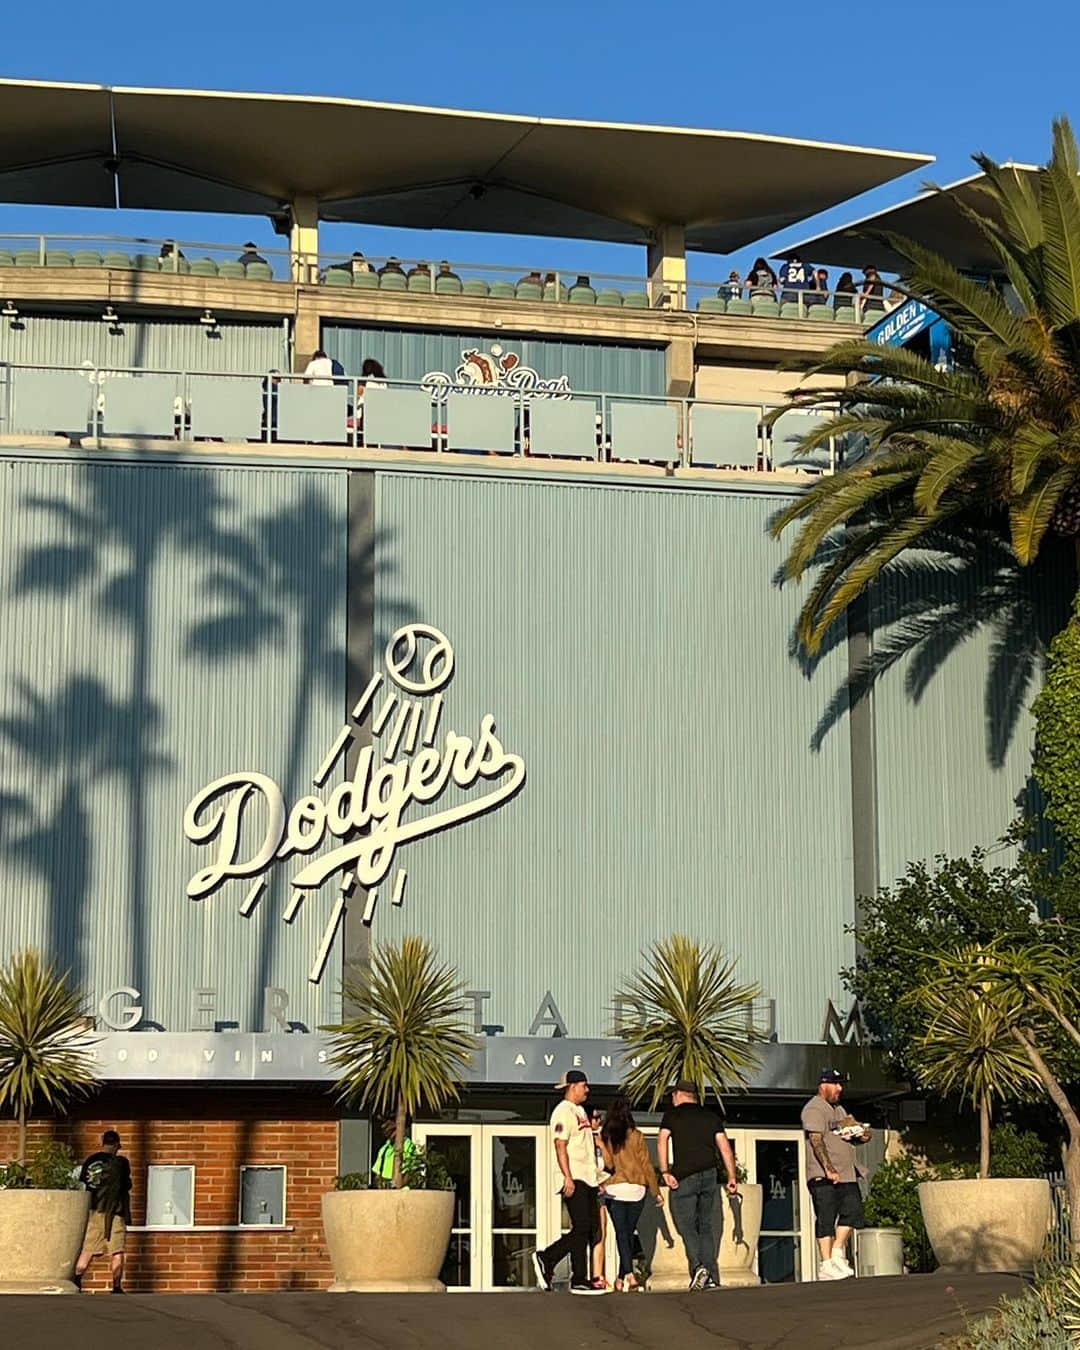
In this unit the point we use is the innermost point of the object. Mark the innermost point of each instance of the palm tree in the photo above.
(44, 1046)
(683, 1016)
(966, 1046)
(996, 439)
(406, 1040)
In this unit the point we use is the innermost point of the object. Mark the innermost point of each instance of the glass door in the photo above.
(459, 1148)
(786, 1248)
(504, 1205)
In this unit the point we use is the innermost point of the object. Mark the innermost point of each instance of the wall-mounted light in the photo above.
(110, 316)
(209, 321)
(10, 311)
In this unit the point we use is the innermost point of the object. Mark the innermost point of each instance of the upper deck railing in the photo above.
(436, 417)
(446, 279)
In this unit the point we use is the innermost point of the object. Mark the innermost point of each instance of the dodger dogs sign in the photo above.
(245, 819)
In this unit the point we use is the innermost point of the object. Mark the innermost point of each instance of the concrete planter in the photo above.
(997, 1224)
(41, 1234)
(737, 1220)
(386, 1241)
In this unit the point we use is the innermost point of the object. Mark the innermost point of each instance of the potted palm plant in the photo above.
(44, 1058)
(968, 1049)
(684, 1016)
(405, 1042)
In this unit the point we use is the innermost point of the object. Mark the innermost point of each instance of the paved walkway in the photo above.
(903, 1313)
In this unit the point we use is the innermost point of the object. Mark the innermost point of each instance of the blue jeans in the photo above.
(692, 1206)
(624, 1219)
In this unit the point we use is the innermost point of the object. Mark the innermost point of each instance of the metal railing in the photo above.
(437, 417)
(445, 279)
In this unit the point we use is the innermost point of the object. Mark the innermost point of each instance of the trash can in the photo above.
(879, 1251)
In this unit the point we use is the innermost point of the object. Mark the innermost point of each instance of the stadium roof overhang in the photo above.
(412, 167)
(931, 219)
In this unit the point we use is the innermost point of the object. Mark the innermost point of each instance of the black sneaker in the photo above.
(116, 1289)
(76, 1280)
(699, 1279)
(586, 1289)
(544, 1272)
(710, 1283)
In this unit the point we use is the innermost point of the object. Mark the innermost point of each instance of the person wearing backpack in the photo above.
(107, 1176)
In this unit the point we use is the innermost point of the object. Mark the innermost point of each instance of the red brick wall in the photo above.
(216, 1131)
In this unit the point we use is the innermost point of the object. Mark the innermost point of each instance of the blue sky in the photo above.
(982, 76)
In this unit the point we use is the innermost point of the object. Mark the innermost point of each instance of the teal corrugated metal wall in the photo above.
(410, 354)
(163, 626)
(154, 343)
(632, 648)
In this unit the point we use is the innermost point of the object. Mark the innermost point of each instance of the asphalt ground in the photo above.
(912, 1312)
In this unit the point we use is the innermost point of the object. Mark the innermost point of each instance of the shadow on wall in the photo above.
(929, 604)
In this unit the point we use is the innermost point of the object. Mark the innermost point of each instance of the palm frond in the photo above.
(1059, 203)
(1030, 516)
(683, 1015)
(953, 458)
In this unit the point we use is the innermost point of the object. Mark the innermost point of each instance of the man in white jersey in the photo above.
(575, 1177)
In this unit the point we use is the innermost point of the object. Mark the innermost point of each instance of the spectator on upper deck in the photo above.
(421, 269)
(320, 369)
(170, 251)
(533, 279)
(844, 296)
(795, 277)
(732, 288)
(251, 255)
(357, 263)
(873, 288)
(392, 265)
(445, 270)
(819, 291)
(761, 279)
(372, 373)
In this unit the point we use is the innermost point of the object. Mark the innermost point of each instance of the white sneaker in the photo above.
(828, 1271)
(841, 1263)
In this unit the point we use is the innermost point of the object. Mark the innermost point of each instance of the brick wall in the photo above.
(216, 1131)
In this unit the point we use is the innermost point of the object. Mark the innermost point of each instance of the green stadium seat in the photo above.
(447, 285)
(335, 276)
(476, 286)
(845, 314)
(636, 300)
(764, 309)
(872, 314)
(739, 306)
(551, 292)
(57, 257)
(712, 304)
(28, 257)
(6, 259)
(86, 257)
(392, 281)
(529, 290)
(419, 281)
(607, 295)
(147, 262)
(582, 295)
(502, 290)
(118, 260)
(790, 310)
(365, 281)
(820, 314)
(233, 270)
(259, 272)
(204, 267)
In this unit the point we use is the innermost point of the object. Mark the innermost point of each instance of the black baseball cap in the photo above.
(687, 1085)
(831, 1076)
(570, 1077)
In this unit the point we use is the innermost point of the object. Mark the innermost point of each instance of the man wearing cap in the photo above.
(576, 1178)
(832, 1173)
(690, 1137)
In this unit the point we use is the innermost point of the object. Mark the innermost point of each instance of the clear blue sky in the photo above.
(942, 76)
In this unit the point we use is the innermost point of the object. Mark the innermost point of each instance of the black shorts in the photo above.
(836, 1202)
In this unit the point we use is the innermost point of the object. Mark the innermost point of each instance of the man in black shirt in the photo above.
(690, 1135)
(107, 1177)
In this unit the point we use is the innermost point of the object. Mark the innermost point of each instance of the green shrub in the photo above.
(53, 1167)
(1016, 1153)
(1042, 1316)
(893, 1202)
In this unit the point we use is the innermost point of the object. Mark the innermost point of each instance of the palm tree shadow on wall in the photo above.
(77, 737)
(287, 587)
(114, 532)
(929, 604)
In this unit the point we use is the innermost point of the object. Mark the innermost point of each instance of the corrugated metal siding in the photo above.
(630, 645)
(153, 343)
(949, 777)
(207, 607)
(410, 353)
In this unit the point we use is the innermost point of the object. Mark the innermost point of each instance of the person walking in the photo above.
(107, 1176)
(690, 1137)
(832, 1173)
(599, 1238)
(576, 1179)
(632, 1176)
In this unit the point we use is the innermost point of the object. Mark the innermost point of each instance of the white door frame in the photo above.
(747, 1153)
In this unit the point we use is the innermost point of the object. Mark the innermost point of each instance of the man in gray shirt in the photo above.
(832, 1173)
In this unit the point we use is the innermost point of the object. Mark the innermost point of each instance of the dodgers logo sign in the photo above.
(495, 372)
(246, 821)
